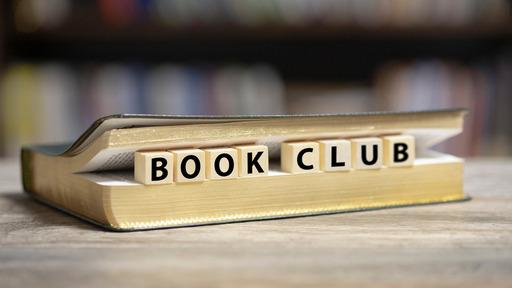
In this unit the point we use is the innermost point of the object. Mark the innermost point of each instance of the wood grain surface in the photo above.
(467, 244)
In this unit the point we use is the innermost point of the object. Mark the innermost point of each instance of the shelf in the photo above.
(335, 52)
(342, 57)
(92, 29)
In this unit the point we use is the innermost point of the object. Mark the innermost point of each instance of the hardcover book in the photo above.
(135, 172)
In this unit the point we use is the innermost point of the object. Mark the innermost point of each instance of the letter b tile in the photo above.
(152, 168)
(399, 151)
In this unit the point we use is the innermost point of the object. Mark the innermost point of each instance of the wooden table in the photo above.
(459, 244)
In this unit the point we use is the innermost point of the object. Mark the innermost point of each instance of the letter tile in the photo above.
(252, 160)
(399, 150)
(189, 165)
(221, 163)
(367, 153)
(300, 157)
(335, 155)
(151, 168)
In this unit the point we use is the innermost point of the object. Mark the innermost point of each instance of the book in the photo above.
(93, 178)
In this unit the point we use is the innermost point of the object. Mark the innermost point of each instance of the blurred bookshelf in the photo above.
(64, 63)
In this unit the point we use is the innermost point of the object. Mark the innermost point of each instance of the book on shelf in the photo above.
(133, 172)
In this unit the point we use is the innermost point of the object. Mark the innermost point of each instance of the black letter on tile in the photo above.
(254, 162)
(155, 167)
(334, 156)
(184, 166)
(375, 155)
(231, 165)
(299, 159)
(400, 152)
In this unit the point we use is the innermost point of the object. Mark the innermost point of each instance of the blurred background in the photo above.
(65, 63)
